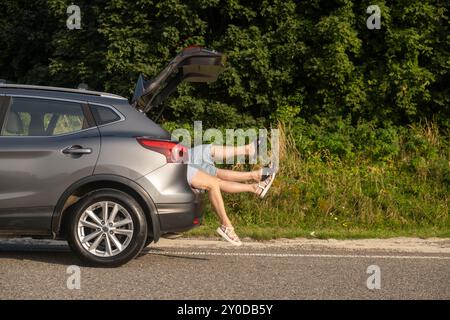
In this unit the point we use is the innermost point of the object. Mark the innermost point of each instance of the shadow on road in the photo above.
(58, 253)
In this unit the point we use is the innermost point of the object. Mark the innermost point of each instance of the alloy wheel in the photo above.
(105, 229)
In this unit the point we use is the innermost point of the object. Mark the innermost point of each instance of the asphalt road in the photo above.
(31, 269)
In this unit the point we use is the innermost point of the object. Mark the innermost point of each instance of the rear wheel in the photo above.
(107, 228)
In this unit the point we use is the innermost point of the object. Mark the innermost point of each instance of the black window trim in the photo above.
(5, 101)
(119, 114)
(88, 114)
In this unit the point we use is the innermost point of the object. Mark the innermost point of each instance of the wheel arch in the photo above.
(88, 184)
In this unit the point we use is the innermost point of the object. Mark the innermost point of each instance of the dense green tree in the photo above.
(25, 41)
(312, 59)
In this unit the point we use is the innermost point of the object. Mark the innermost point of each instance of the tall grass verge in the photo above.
(388, 182)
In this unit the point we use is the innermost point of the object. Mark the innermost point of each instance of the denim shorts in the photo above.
(200, 159)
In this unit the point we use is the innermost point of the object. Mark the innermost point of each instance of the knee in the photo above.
(213, 184)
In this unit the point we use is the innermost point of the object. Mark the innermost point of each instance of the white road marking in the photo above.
(287, 255)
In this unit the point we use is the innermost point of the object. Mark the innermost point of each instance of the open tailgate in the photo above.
(193, 64)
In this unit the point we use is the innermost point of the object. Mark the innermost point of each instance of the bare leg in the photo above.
(236, 187)
(226, 152)
(238, 176)
(214, 186)
(205, 181)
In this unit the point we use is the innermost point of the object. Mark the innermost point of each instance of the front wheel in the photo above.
(107, 228)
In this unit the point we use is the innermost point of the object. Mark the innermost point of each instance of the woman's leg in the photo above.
(219, 153)
(238, 176)
(205, 181)
(215, 186)
(236, 187)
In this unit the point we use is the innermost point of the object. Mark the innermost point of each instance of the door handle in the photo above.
(77, 150)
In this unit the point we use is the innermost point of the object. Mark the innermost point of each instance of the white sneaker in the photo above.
(228, 234)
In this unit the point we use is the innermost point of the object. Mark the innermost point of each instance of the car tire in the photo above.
(106, 241)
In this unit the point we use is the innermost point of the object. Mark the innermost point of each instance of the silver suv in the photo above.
(92, 168)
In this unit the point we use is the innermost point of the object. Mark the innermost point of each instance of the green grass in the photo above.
(407, 194)
(269, 233)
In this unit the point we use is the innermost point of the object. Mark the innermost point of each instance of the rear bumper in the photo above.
(178, 206)
(179, 217)
(168, 184)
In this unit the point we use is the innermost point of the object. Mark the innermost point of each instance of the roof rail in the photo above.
(60, 89)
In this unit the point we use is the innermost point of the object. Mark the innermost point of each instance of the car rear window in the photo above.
(104, 115)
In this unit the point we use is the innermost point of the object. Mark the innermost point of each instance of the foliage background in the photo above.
(313, 59)
(366, 113)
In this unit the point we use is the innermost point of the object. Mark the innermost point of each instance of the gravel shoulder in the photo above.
(400, 244)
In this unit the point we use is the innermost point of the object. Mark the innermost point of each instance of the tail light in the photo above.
(173, 151)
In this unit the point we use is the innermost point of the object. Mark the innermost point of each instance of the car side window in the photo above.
(42, 117)
(104, 115)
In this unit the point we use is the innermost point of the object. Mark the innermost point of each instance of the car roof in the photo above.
(59, 92)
